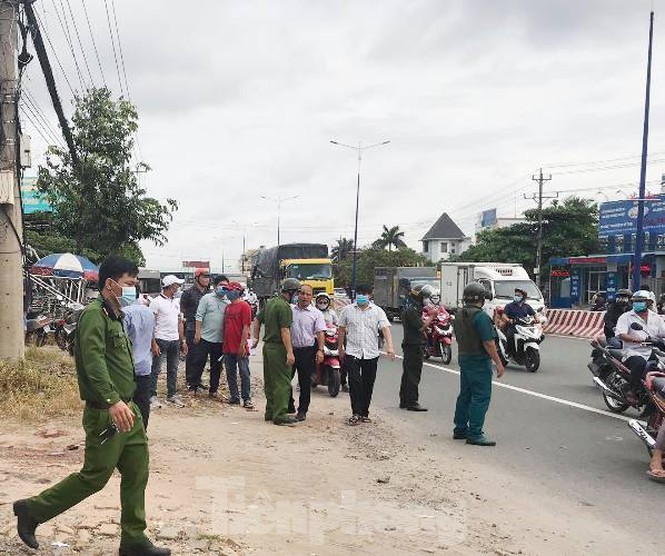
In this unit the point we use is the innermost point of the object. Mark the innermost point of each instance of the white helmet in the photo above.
(643, 295)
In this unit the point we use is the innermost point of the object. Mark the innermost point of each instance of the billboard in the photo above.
(487, 218)
(196, 264)
(31, 198)
(620, 217)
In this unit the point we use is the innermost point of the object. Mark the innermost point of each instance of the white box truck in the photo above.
(500, 279)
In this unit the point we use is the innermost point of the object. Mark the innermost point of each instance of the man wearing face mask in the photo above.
(209, 335)
(189, 303)
(139, 323)
(620, 305)
(237, 320)
(652, 326)
(516, 309)
(278, 356)
(169, 340)
(114, 433)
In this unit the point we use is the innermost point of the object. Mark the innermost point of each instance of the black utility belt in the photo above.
(95, 405)
(306, 347)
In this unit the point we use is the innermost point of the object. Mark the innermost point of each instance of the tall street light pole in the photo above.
(359, 149)
(279, 200)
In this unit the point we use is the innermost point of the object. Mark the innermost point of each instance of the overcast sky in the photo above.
(240, 99)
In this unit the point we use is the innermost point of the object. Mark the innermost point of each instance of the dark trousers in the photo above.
(190, 329)
(412, 368)
(474, 398)
(305, 366)
(142, 397)
(169, 350)
(637, 366)
(362, 375)
(206, 349)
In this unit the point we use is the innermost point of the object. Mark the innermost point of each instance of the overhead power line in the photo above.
(78, 39)
(115, 52)
(94, 42)
(45, 33)
(65, 29)
(122, 56)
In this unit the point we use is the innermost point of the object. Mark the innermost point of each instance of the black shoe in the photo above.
(286, 421)
(301, 416)
(416, 407)
(146, 549)
(480, 441)
(25, 523)
(459, 435)
(402, 405)
(234, 402)
(345, 388)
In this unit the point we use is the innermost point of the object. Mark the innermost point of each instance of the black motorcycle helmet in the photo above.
(623, 296)
(475, 292)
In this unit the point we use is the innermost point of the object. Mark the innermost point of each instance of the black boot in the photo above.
(25, 523)
(145, 549)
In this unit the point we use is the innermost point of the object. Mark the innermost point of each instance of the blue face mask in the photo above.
(362, 299)
(221, 292)
(128, 296)
(639, 306)
(518, 299)
(232, 295)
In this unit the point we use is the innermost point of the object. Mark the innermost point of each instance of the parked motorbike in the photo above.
(328, 372)
(36, 329)
(65, 329)
(440, 337)
(647, 430)
(613, 377)
(526, 345)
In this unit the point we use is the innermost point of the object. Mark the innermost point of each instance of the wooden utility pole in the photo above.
(11, 223)
(539, 247)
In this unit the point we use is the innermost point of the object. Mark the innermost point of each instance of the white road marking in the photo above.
(537, 394)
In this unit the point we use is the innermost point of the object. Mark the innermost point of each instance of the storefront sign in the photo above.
(575, 286)
(559, 273)
(611, 285)
(620, 217)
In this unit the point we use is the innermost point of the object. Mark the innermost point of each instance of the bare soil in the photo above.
(223, 481)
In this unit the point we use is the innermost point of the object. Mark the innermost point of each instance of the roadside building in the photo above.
(444, 239)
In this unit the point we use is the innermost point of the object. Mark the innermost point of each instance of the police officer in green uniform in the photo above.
(476, 349)
(278, 357)
(114, 433)
(414, 327)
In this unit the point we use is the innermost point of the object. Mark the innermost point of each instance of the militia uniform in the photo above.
(473, 327)
(105, 370)
(277, 314)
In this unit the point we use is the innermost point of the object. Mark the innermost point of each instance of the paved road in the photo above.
(551, 427)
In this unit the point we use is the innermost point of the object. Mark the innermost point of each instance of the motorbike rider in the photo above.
(516, 309)
(412, 347)
(636, 354)
(619, 307)
(322, 302)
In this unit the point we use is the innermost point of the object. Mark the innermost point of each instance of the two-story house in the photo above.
(444, 239)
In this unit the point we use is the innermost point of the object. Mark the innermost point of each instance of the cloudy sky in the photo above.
(240, 99)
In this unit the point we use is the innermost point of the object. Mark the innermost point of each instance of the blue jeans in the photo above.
(169, 349)
(234, 363)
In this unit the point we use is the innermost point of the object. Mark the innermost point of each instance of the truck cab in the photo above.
(317, 273)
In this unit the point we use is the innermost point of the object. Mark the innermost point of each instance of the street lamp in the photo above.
(279, 200)
(243, 257)
(359, 149)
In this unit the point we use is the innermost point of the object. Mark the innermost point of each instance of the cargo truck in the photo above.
(392, 285)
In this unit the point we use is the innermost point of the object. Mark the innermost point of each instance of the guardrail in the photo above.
(573, 322)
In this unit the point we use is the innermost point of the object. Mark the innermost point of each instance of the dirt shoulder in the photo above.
(223, 481)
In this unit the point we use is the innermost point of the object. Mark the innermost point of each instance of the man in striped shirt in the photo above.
(360, 324)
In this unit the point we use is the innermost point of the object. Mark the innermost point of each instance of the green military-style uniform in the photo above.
(105, 370)
(277, 314)
(473, 327)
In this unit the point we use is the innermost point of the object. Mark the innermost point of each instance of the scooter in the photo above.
(647, 430)
(328, 372)
(440, 337)
(526, 347)
(65, 329)
(36, 329)
(613, 377)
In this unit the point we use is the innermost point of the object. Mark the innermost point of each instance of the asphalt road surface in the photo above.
(551, 426)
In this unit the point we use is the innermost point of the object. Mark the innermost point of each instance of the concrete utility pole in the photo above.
(11, 225)
(539, 198)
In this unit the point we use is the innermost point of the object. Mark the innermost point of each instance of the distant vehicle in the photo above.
(150, 281)
(500, 279)
(392, 285)
(308, 262)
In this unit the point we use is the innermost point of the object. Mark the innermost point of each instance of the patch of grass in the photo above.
(43, 385)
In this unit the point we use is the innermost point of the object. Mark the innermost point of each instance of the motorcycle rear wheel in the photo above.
(334, 382)
(445, 352)
(532, 359)
(615, 406)
(61, 339)
(426, 353)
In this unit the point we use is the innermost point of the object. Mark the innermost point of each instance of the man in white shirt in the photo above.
(168, 341)
(359, 324)
(651, 325)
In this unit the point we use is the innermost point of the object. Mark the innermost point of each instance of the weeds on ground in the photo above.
(42, 385)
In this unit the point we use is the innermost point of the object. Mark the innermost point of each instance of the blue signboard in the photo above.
(611, 286)
(33, 201)
(618, 218)
(488, 218)
(575, 286)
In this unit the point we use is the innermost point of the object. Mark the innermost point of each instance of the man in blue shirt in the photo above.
(516, 309)
(139, 323)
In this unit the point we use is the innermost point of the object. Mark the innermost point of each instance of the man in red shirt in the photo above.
(237, 320)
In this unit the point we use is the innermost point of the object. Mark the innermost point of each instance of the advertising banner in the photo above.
(620, 217)
(32, 199)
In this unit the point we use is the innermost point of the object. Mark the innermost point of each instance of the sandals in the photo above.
(657, 475)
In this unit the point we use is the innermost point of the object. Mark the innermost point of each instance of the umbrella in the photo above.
(66, 265)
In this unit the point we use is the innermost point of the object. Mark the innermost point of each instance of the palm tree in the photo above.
(390, 237)
(342, 250)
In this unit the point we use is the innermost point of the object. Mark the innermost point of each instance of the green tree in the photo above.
(342, 249)
(100, 204)
(569, 228)
(371, 257)
(390, 237)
